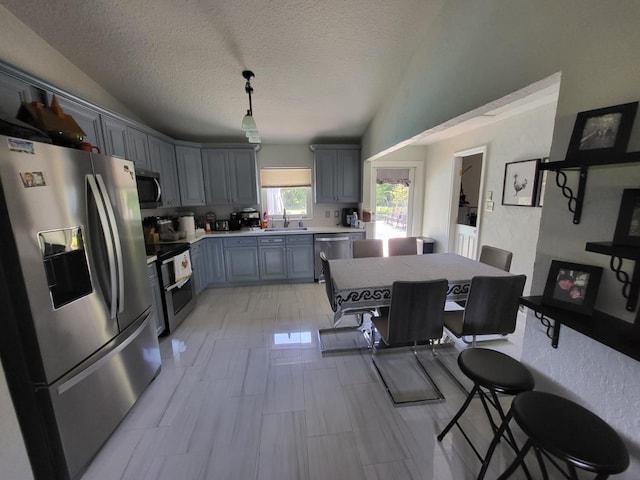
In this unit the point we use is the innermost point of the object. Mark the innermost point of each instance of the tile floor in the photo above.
(244, 393)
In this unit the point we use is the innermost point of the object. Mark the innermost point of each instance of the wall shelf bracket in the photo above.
(553, 328)
(575, 201)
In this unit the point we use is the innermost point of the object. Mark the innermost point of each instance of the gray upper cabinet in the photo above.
(163, 160)
(12, 93)
(115, 136)
(190, 176)
(87, 118)
(337, 175)
(138, 147)
(230, 176)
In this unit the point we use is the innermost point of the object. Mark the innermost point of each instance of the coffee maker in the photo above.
(346, 216)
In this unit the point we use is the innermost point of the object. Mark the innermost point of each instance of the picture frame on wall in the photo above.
(572, 286)
(542, 183)
(627, 232)
(521, 183)
(601, 131)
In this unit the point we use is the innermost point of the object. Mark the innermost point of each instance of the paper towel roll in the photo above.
(187, 224)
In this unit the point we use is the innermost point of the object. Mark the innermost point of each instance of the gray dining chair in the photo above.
(414, 315)
(371, 247)
(359, 341)
(491, 308)
(403, 246)
(496, 257)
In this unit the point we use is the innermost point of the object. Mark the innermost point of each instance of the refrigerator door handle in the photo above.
(97, 365)
(106, 232)
(116, 241)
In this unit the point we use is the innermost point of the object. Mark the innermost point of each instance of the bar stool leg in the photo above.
(454, 420)
(516, 463)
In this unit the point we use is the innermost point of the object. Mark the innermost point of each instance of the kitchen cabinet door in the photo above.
(231, 176)
(216, 274)
(214, 166)
(138, 147)
(337, 175)
(300, 262)
(243, 176)
(273, 258)
(241, 259)
(115, 136)
(325, 172)
(190, 176)
(348, 181)
(88, 120)
(156, 298)
(163, 160)
(12, 93)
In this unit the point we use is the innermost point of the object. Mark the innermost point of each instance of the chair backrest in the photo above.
(328, 283)
(403, 246)
(492, 306)
(371, 247)
(496, 257)
(417, 311)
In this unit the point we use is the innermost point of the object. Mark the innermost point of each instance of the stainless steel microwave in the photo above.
(149, 191)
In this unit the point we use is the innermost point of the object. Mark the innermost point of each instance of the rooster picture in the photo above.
(518, 186)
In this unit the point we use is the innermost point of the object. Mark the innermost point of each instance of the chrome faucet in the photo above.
(284, 217)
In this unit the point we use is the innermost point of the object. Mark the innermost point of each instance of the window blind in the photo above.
(285, 177)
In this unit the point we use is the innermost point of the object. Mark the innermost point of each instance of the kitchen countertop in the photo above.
(259, 232)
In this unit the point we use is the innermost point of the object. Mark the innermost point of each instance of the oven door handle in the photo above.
(177, 284)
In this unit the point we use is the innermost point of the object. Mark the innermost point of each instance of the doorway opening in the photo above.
(393, 203)
(466, 205)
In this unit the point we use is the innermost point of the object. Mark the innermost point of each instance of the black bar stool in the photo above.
(496, 373)
(567, 431)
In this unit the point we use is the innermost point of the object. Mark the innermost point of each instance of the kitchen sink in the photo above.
(285, 229)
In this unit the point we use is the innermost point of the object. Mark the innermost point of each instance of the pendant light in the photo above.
(248, 123)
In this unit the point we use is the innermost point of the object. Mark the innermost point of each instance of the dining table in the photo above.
(365, 283)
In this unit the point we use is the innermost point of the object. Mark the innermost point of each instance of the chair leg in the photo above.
(518, 460)
(454, 420)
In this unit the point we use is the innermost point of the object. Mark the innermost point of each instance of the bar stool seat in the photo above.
(569, 432)
(496, 373)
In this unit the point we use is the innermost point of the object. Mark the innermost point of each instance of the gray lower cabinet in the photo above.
(88, 120)
(300, 257)
(156, 297)
(115, 136)
(273, 258)
(190, 176)
(215, 261)
(241, 259)
(163, 161)
(200, 265)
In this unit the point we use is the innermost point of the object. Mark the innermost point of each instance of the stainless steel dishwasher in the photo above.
(334, 245)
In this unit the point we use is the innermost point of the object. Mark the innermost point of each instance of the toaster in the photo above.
(221, 225)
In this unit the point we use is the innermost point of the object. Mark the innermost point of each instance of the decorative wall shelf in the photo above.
(613, 332)
(582, 165)
(630, 288)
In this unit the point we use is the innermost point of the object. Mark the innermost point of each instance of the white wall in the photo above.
(494, 48)
(520, 137)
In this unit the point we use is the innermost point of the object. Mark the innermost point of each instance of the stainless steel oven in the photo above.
(178, 296)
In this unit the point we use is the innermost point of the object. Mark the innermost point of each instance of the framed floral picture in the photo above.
(521, 183)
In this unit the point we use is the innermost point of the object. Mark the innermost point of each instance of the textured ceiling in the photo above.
(322, 67)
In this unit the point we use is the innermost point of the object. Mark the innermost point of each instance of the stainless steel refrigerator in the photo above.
(78, 342)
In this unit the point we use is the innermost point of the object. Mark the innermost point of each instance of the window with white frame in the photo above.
(286, 189)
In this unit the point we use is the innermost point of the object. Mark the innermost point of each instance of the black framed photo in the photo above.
(627, 231)
(605, 130)
(520, 183)
(572, 286)
(542, 183)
